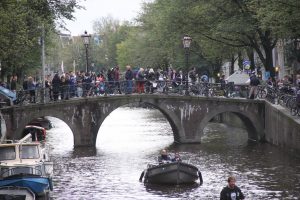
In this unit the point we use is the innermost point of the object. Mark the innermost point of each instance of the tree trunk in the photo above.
(268, 64)
(250, 54)
(240, 61)
(231, 70)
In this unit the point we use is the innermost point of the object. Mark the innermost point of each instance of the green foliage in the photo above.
(22, 22)
(281, 16)
(220, 30)
(111, 33)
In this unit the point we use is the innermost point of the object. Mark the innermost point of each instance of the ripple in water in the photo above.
(130, 138)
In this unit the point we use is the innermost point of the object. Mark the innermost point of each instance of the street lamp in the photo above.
(86, 41)
(186, 45)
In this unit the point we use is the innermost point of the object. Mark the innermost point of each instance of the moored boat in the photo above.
(26, 164)
(172, 173)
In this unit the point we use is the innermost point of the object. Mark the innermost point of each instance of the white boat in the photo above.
(25, 164)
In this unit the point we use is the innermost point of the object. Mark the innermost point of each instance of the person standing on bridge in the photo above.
(231, 191)
(254, 82)
(129, 78)
(56, 83)
(140, 80)
(31, 87)
(13, 83)
(117, 79)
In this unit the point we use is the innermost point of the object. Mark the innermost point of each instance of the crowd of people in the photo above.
(82, 84)
(112, 81)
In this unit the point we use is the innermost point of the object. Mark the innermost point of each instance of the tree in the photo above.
(21, 27)
(234, 23)
(162, 23)
(281, 16)
(111, 33)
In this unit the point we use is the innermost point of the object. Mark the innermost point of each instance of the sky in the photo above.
(95, 9)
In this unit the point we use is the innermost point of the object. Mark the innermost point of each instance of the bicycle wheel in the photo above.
(294, 111)
(291, 102)
(281, 100)
(262, 94)
(293, 107)
(204, 92)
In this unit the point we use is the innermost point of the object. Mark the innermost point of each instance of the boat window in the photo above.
(7, 153)
(21, 170)
(29, 152)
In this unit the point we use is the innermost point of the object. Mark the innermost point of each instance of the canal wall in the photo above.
(281, 128)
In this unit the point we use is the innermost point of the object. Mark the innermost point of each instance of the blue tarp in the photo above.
(37, 185)
(8, 93)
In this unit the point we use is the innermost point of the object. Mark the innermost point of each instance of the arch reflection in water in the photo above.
(128, 130)
(60, 137)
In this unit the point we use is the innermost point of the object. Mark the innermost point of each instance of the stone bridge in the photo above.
(187, 115)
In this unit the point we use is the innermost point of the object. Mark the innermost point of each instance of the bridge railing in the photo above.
(287, 96)
(161, 87)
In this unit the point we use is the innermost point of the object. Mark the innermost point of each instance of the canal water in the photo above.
(130, 138)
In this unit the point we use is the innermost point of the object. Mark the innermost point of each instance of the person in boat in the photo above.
(164, 157)
(176, 157)
(231, 191)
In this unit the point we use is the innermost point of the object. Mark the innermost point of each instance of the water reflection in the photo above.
(131, 138)
(79, 152)
(172, 191)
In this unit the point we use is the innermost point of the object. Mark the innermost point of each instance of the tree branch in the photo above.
(221, 41)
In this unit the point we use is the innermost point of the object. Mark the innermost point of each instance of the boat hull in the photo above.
(38, 185)
(172, 173)
(16, 193)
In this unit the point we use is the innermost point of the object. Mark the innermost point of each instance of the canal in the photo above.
(130, 138)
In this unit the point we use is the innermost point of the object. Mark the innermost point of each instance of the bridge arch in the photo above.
(34, 116)
(251, 121)
(170, 116)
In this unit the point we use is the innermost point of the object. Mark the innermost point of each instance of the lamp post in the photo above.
(277, 72)
(186, 45)
(43, 59)
(86, 41)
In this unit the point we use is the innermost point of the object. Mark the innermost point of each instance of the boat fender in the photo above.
(142, 175)
(50, 184)
(200, 177)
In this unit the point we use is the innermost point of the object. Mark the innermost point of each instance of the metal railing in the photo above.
(287, 96)
(107, 88)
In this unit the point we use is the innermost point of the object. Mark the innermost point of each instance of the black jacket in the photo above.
(254, 81)
(129, 75)
(231, 194)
